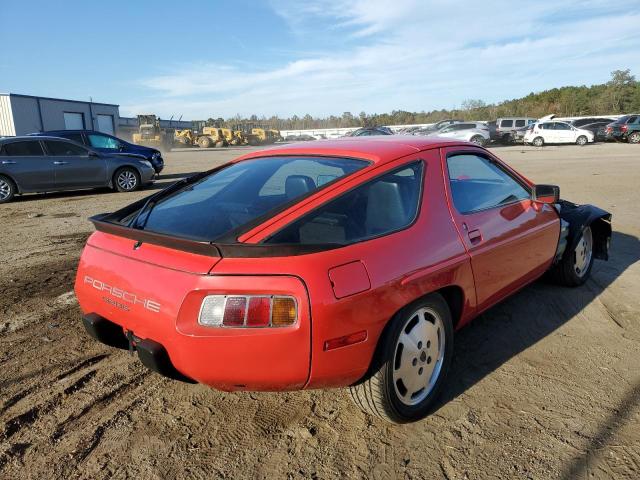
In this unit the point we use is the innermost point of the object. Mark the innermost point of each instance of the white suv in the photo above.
(557, 132)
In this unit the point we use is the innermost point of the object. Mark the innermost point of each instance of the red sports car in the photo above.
(337, 263)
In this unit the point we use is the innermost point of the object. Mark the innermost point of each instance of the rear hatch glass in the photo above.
(219, 206)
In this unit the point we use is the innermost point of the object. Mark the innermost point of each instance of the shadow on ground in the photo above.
(527, 317)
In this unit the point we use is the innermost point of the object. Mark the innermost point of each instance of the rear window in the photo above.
(23, 149)
(227, 201)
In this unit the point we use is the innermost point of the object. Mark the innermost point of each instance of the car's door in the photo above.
(510, 238)
(547, 132)
(75, 166)
(564, 133)
(26, 163)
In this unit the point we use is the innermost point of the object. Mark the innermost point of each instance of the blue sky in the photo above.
(205, 59)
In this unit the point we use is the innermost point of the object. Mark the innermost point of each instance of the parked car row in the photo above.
(47, 162)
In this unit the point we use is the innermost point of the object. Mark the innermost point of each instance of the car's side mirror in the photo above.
(546, 193)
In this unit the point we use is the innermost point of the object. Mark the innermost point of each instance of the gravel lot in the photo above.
(545, 385)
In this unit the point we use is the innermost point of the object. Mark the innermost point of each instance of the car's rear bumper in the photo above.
(162, 305)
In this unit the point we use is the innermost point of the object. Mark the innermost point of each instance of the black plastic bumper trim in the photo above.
(105, 331)
(152, 354)
(155, 357)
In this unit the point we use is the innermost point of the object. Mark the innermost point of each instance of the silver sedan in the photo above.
(48, 164)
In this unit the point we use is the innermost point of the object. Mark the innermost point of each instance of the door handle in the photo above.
(60, 163)
(8, 162)
(475, 236)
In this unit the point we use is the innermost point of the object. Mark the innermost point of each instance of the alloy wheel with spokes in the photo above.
(582, 140)
(127, 180)
(7, 190)
(418, 356)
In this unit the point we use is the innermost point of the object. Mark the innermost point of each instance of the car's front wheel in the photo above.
(575, 267)
(582, 140)
(634, 137)
(411, 362)
(7, 189)
(538, 141)
(126, 179)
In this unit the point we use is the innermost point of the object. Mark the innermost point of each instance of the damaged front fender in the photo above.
(574, 219)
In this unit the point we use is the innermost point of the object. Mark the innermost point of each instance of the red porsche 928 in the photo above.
(330, 264)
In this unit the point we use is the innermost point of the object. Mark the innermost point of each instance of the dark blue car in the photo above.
(106, 143)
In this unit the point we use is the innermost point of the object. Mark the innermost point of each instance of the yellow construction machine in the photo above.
(150, 134)
(184, 138)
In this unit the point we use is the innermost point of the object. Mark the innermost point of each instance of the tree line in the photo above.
(621, 94)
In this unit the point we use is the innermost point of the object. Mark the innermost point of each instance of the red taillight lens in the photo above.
(234, 311)
(259, 313)
(623, 128)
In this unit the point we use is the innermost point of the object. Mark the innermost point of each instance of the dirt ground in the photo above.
(545, 385)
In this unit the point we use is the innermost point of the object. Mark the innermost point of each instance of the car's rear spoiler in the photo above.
(211, 249)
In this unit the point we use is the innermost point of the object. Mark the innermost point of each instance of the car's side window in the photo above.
(519, 123)
(379, 207)
(478, 183)
(24, 149)
(64, 149)
(507, 123)
(562, 126)
(76, 137)
(102, 141)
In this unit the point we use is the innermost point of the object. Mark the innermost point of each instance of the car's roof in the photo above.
(376, 149)
(33, 138)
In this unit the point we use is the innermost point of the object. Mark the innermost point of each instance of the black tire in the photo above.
(378, 393)
(8, 189)
(582, 140)
(478, 140)
(204, 142)
(538, 142)
(507, 139)
(566, 272)
(634, 137)
(220, 144)
(126, 179)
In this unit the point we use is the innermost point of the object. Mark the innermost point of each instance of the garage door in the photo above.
(73, 121)
(105, 124)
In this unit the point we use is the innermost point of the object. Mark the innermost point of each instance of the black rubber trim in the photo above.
(105, 331)
(217, 250)
(155, 357)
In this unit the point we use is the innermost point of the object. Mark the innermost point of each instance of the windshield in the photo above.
(218, 205)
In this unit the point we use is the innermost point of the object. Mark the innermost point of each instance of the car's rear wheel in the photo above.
(204, 142)
(126, 179)
(220, 144)
(410, 364)
(575, 267)
(538, 141)
(634, 137)
(582, 140)
(7, 189)
(478, 140)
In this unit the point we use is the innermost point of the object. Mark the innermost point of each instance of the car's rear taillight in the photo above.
(623, 128)
(248, 311)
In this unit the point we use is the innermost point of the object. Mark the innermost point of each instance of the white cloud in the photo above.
(410, 54)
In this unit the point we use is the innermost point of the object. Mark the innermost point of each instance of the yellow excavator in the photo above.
(211, 137)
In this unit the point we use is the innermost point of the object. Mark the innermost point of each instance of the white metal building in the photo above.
(22, 114)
